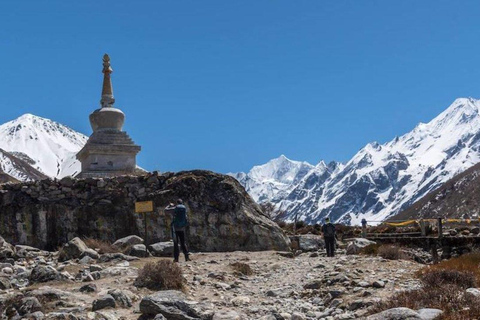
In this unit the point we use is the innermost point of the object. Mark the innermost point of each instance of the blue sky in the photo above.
(224, 85)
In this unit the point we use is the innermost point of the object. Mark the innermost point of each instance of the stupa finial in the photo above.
(107, 90)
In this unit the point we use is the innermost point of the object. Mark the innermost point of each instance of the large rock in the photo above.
(138, 250)
(121, 297)
(429, 313)
(106, 301)
(6, 249)
(161, 249)
(73, 249)
(173, 305)
(357, 244)
(307, 242)
(128, 241)
(396, 314)
(222, 216)
(43, 273)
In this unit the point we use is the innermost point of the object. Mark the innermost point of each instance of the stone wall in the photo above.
(47, 213)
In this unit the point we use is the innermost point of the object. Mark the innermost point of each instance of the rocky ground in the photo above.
(86, 285)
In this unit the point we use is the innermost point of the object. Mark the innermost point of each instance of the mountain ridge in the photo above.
(381, 180)
(46, 145)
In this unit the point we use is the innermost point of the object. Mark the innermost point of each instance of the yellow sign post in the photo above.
(144, 207)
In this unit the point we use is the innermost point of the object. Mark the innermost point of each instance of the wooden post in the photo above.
(440, 229)
(422, 227)
(434, 252)
(146, 230)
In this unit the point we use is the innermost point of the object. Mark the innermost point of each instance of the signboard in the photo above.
(144, 206)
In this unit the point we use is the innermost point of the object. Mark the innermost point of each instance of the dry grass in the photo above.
(441, 278)
(102, 246)
(242, 268)
(391, 252)
(443, 287)
(469, 262)
(456, 306)
(161, 275)
(370, 250)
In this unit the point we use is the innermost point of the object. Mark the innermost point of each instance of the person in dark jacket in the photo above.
(179, 225)
(328, 230)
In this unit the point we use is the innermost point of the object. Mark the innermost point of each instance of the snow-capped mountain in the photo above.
(381, 179)
(45, 145)
(273, 180)
(18, 169)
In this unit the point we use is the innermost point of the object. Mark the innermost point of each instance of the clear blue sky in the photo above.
(225, 85)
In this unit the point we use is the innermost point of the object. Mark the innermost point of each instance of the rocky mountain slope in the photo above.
(43, 144)
(381, 179)
(457, 197)
(14, 169)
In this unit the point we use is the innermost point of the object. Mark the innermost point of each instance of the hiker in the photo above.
(329, 237)
(364, 228)
(178, 225)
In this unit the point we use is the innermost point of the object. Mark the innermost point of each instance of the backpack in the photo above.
(180, 219)
(329, 230)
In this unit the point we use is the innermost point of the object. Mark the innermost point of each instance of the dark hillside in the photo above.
(456, 197)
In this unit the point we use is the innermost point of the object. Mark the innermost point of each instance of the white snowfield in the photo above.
(381, 179)
(50, 146)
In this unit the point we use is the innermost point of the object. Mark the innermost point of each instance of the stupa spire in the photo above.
(107, 90)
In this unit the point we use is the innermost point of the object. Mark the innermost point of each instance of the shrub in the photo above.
(102, 246)
(468, 263)
(242, 268)
(300, 224)
(449, 298)
(443, 287)
(440, 278)
(371, 249)
(282, 224)
(391, 252)
(160, 275)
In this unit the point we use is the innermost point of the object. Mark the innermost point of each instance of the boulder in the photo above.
(122, 298)
(5, 283)
(307, 242)
(88, 288)
(116, 256)
(72, 249)
(105, 315)
(474, 292)
(6, 249)
(429, 314)
(227, 315)
(173, 305)
(43, 273)
(396, 314)
(138, 250)
(222, 216)
(30, 305)
(90, 253)
(128, 241)
(355, 245)
(161, 249)
(106, 301)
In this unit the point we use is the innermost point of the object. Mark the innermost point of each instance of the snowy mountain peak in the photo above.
(380, 179)
(50, 145)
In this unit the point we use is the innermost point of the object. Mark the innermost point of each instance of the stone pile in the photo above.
(38, 284)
